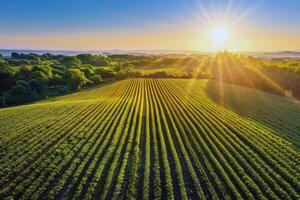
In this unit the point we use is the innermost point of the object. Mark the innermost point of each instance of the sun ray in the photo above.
(228, 10)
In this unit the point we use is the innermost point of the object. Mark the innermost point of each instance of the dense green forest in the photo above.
(30, 77)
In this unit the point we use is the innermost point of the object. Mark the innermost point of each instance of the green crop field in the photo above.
(152, 139)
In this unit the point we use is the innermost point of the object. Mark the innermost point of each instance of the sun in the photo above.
(219, 35)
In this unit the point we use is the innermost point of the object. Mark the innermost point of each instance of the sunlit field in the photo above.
(152, 138)
(150, 100)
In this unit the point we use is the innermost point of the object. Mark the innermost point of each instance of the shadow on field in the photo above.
(280, 114)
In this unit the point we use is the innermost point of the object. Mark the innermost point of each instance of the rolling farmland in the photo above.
(152, 139)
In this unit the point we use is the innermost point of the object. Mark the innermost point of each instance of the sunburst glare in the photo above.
(220, 26)
(219, 35)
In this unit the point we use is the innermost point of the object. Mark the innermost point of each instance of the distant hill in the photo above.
(269, 55)
(282, 54)
(7, 52)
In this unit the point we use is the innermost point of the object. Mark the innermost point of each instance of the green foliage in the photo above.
(29, 56)
(24, 72)
(38, 75)
(24, 92)
(23, 83)
(75, 79)
(57, 80)
(128, 73)
(7, 76)
(93, 59)
(165, 74)
(21, 62)
(97, 79)
(274, 77)
(70, 61)
(136, 60)
(87, 69)
(15, 96)
(48, 73)
(64, 90)
(105, 73)
(116, 66)
(45, 69)
(39, 86)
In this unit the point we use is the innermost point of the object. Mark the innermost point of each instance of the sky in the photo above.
(251, 25)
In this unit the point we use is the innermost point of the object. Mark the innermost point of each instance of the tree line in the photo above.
(278, 76)
(30, 77)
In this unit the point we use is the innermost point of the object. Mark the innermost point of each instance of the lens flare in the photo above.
(219, 35)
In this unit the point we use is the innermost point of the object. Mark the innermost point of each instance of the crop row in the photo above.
(144, 139)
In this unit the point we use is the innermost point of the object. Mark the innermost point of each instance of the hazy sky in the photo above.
(153, 24)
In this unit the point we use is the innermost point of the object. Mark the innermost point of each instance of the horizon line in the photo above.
(132, 50)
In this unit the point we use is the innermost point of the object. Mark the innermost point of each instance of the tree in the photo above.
(38, 75)
(87, 69)
(7, 76)
(70, 61)
(75, 79)
(24, 72)
(16, 95)
(93, 59)
(30, 56)
(23, 92)
(25, 84)
(105, 73)
(56, 80)
(128, 73)
(14, 55)
(45, 68)
(116, 66)
(39, 86)
(20, 62)
(96, 79)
